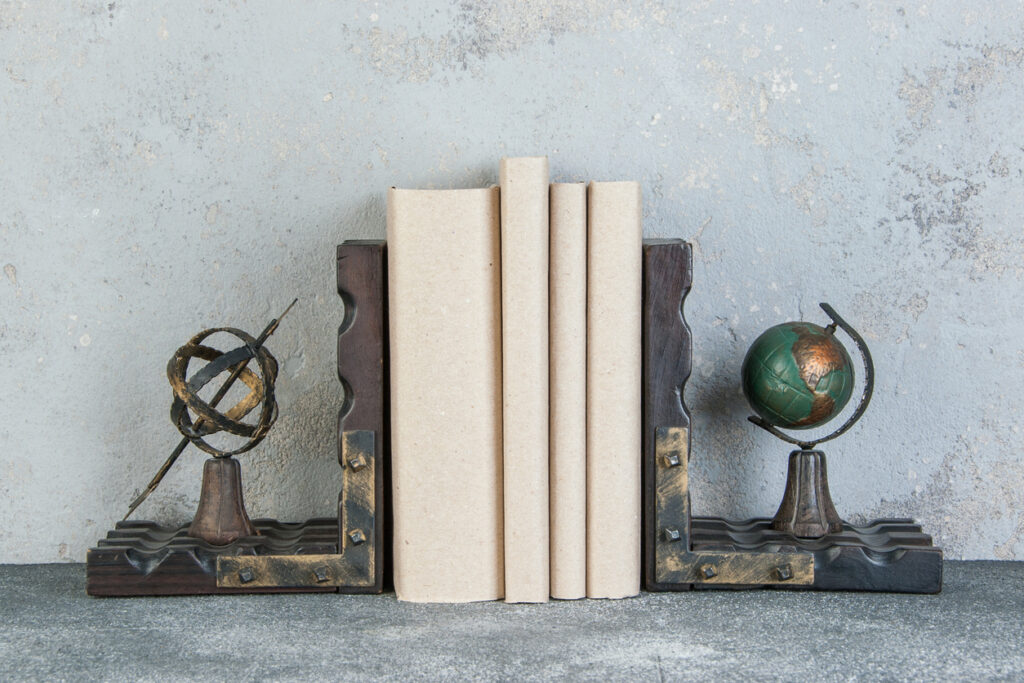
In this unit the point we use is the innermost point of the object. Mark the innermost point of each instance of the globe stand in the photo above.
(806, 509)
(806, 545)
(221, 518)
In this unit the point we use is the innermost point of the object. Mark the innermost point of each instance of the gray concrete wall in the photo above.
(166, 167)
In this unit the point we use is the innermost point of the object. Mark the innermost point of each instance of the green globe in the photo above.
(797, 376)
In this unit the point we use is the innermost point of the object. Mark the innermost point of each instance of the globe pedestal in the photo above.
(806, 510)
(221, 518)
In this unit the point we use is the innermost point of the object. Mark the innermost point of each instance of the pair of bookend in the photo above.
(806, 545)
(221, 550)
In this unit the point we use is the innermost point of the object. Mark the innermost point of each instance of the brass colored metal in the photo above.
(354, 566)
(285, 571)
(356, 506)
(672, 501)
(676, 563)
(187, 399)
(740, 568)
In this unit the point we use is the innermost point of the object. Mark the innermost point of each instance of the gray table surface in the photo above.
(50, 629)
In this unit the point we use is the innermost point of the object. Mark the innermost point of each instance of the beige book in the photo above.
(568, 372)
(524, 335)
(614, 299)
(445, 350)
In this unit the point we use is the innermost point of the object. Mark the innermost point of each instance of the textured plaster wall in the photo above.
(166, 167)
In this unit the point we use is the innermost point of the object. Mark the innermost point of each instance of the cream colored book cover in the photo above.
(524, 305)
(614, 299)
(568, 372)
(445, 351)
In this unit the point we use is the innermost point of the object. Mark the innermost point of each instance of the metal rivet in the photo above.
(321, 574)
(785, 572)
(709, 571)
(356, 536)
(671, 534)
(357, 463)
(672, 459)
(246, 575)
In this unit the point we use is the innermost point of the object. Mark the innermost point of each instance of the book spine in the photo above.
(568, 373)
(524, 303)
(614, 440)
(445, 351)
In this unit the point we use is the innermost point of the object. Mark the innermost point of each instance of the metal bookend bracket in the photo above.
(676, 563)
(354, 567)
(670, 563)
(358, 567)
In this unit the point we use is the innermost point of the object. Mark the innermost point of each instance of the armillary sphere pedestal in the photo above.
(221, 518)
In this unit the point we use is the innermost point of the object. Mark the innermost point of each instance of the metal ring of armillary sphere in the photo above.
(208, 419)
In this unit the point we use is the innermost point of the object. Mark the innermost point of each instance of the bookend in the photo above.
(346, 554)
(682, 552)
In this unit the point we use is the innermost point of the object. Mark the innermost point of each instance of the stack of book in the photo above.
(515, 388)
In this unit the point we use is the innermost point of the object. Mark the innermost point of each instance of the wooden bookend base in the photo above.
(681, 552)
(221, 517)
(887, 555)
(144, 558)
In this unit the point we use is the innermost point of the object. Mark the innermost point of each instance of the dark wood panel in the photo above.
(362, 336)
(668, 274)
(363, 372)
